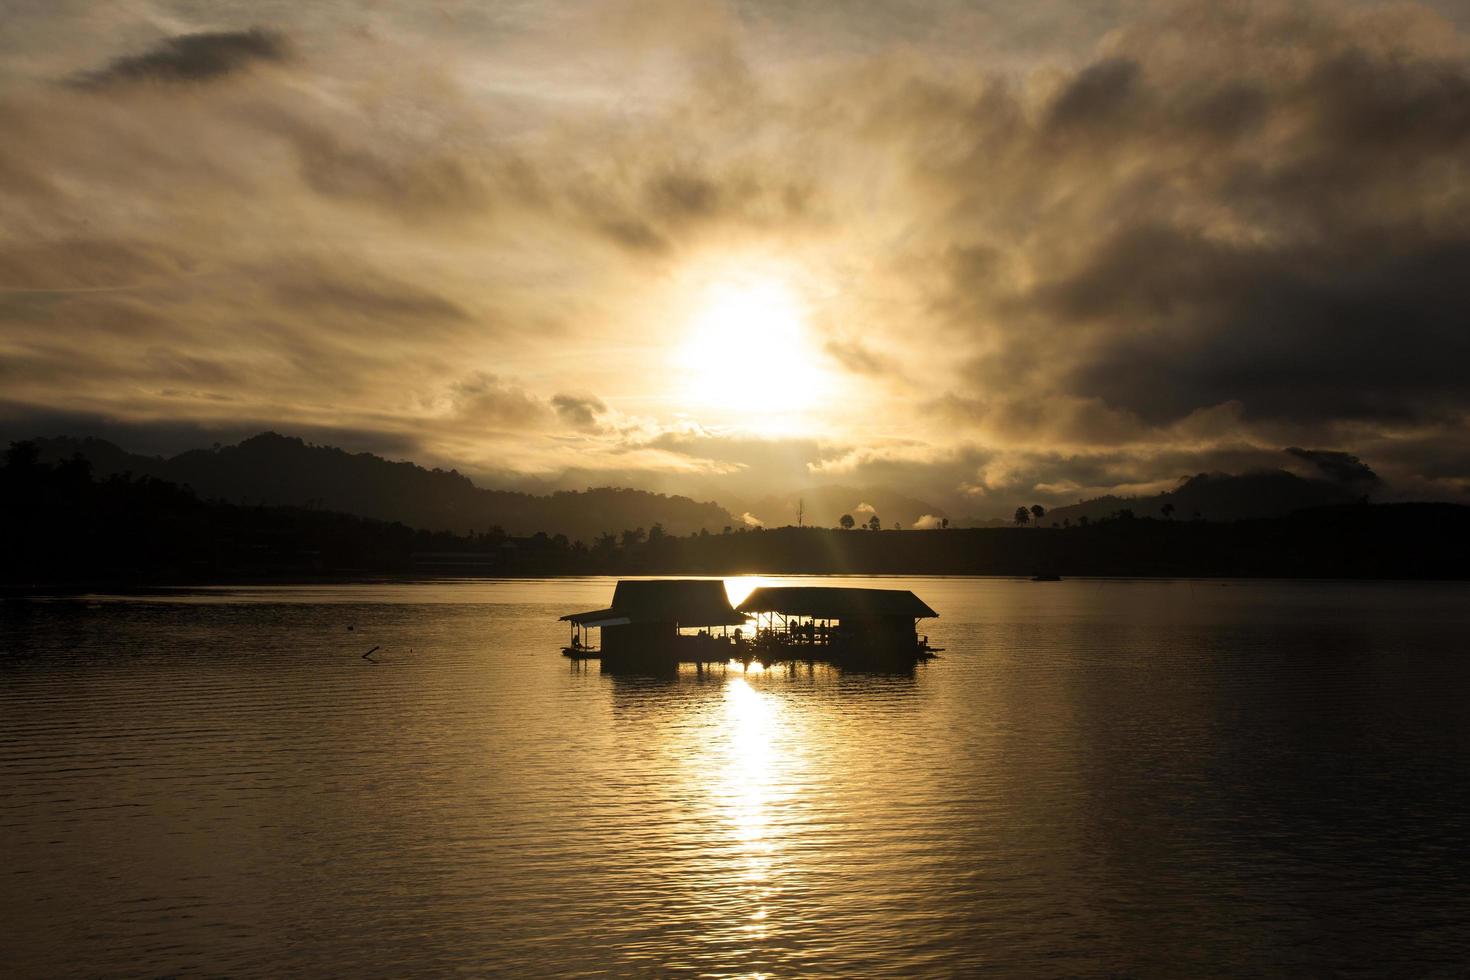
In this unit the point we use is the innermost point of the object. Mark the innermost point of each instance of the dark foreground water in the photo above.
(1097, 778)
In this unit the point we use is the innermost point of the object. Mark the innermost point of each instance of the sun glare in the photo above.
(748, 351)
(738, 587)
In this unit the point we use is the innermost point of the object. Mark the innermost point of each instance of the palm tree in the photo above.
(847, 522)
(1168, 511)
(874, 524)
(1023, 517)
(1037, 513)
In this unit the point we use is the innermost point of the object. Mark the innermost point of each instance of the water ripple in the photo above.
(1098, 778)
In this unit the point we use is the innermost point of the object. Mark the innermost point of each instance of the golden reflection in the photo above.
(754, 668)
(747, 783)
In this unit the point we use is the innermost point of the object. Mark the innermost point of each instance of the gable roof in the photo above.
(830, 602)
(688, 602)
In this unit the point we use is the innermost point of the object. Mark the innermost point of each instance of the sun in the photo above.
(748, 351)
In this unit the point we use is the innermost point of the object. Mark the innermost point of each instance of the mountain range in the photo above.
(274, 469)
(1220, 497)
(270, 468)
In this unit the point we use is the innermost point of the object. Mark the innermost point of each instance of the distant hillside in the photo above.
(60, 528)
(1219, 497)
(824, 507)
(275, 469)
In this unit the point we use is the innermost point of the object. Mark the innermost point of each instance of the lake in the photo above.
(1097, 777)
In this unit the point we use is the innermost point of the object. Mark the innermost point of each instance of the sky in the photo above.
(982, 253)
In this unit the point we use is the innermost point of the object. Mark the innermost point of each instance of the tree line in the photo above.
(59, 525)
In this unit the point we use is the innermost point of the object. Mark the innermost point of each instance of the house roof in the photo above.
(829, 602)
(597, 617)
(688, 602)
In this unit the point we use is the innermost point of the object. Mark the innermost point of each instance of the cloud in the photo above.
(578, 411)
(81, 265)
(327, 292)
(927, 522)
(683, 195)
(192, 58)
(1339, 467)
(1097, 97)
(1182, 233)
(857, 358)
(169, 437)
(1044, 253)
(1289, 331)
(484, 399)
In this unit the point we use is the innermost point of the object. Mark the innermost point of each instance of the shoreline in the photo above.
(76, 590)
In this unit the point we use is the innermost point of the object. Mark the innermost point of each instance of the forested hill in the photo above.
(61, 528)
(1221, 497)
(275, 469)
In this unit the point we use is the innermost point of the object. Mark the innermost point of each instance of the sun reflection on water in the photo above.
(745, 794)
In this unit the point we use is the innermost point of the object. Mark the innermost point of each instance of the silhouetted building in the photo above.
(845, 621)
(645, 618)
(645, 621)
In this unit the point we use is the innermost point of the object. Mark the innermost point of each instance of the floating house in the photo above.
(691, 620)
(646, 620)
(840, 621)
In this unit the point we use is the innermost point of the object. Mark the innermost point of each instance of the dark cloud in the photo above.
(84, 265)
(1310, 332)
(168, 437)
(681, 205)
(1097, 97)
(1037, 420)
(1339, 467)
(578, 411)
(483, 399)
(632, 234)
(192, 58)
(1381, 107)
(407, 181)
(684, 195)
(1285, 234)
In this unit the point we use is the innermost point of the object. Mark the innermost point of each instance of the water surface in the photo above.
(1097, 778)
